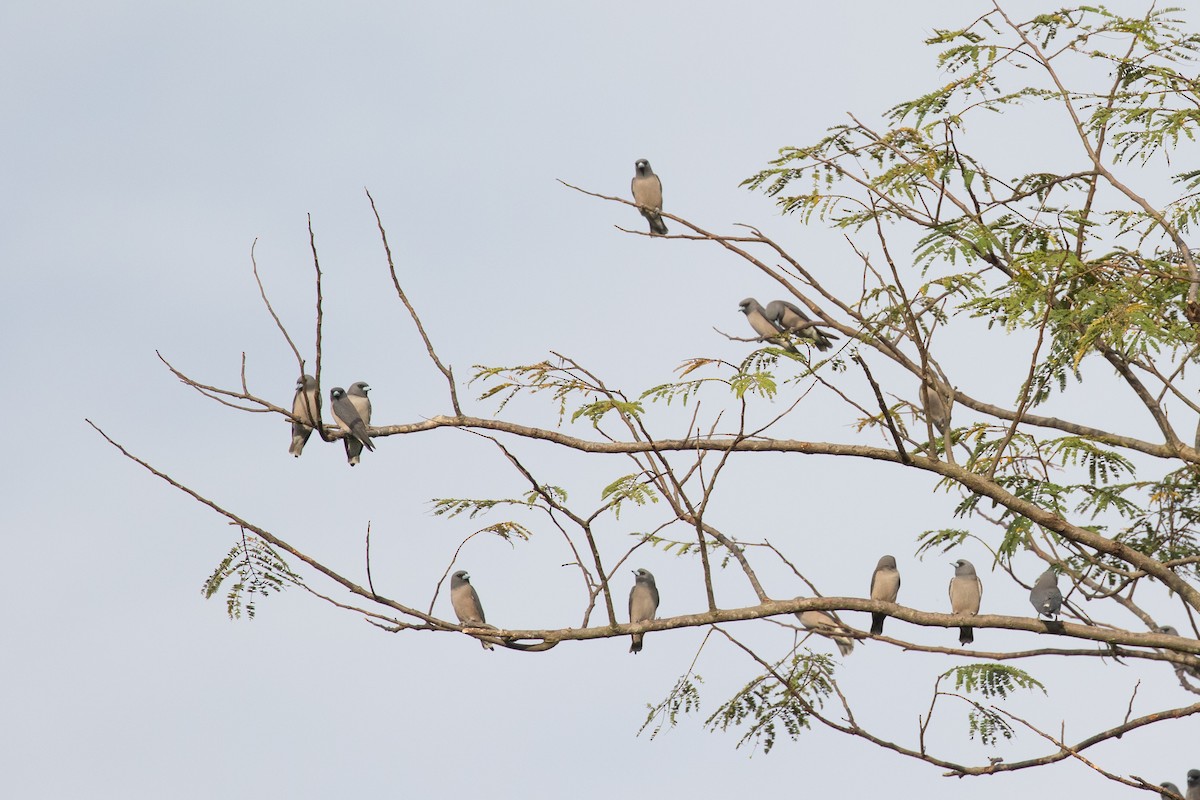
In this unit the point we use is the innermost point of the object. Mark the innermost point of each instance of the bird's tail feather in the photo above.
(877, 623)
(300, 434)
(966, 635)
(354, 449)
(657, 226)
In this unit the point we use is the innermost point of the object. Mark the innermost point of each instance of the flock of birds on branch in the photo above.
(776, 324)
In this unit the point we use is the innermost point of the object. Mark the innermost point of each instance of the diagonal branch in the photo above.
(448, 372)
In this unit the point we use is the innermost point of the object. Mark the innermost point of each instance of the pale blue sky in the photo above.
(149, 144)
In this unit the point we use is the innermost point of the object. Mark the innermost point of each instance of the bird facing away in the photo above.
(824, 624)
(885, 585)
(763, 326)
(1046, 597)
(1172, 787)
(305, 406)
(357, 394)
(643, 604)
(791, 319)
(966, 590)
(347, 418)
(467, 607)
(647, 193)
(1193, 783)
(937, 409)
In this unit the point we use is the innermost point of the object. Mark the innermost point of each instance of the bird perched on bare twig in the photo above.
(305, 406)
(465, 601)
(346, 415)
(357, 395)
(647, 193)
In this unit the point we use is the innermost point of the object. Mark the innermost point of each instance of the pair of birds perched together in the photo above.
(885, 586)
(351, 412)
(966, 591)
(773, 323)
(781, 318)
(1193, 786)
(643, 603)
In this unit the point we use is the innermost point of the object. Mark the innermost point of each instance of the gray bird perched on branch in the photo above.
(790, 319)
(643, 604)
(825, 625)
(305, 406)
(1045, 596)
(647, 193)
(1193, 784)
(467, 607)
(1171, 787)
(966, 590)
(346, 415)
(763, 326)
(885, 585)
(937, 406)
(357, 395)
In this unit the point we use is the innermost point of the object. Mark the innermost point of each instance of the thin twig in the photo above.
(278, 323)
(883, 409)
(448, 372)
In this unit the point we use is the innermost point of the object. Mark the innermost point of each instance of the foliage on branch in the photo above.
(1064, 264)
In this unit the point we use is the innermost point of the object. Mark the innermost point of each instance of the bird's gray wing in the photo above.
(362, 404)
(478, 606)
(349, 421)
(792, 319)
(786, 314)
(469, 609)
(304, 408)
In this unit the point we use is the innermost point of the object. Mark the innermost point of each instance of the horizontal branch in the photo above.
(924, 618)
(971, 481)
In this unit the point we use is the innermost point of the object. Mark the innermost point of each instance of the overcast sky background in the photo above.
(149, 145)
